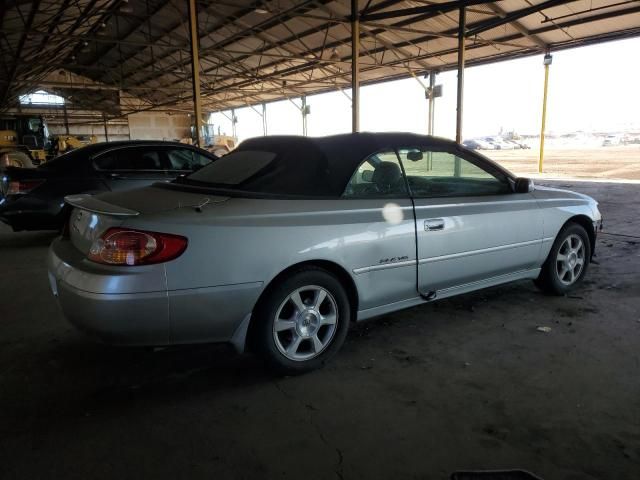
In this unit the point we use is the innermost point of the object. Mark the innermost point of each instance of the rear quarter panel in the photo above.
(253, 240)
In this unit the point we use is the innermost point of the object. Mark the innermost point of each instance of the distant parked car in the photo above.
(477, 144)
(516, 145)
(500, 144)
(472, 144)
(611, 140)
(32, 198)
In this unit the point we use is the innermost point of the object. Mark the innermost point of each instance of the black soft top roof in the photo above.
(323, 165)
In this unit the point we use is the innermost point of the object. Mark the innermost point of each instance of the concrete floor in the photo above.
(465, 383)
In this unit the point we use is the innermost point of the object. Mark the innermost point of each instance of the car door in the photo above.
(470, 225)
(131, 167)
(381, 251)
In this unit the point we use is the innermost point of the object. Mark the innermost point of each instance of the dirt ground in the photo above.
(619, 162)
(464, 383)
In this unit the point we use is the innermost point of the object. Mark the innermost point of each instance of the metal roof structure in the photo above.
(254, 51)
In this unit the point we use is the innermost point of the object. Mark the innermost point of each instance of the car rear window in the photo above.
(235, 168)
(294, 167)
(72, 161)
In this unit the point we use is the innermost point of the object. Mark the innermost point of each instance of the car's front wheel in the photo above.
(302, 321)
(567, 262)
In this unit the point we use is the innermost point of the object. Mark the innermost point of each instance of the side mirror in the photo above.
(367, 175)
(414, 155)
(523, 185)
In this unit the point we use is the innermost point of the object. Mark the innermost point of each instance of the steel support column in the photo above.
(195, 68)
(432, 102)
(66, 118)
(304, 115)
(106, 130)
(547, 62)
(264, 119)
(234, 120)
(462, 18)
(355, 67)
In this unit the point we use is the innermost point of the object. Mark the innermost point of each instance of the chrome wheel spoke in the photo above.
(563, 271)
(329, 319)
(296, 299)
(317, 344)
(292, 348)
(284, 325)
(562, 257)
(319, 298)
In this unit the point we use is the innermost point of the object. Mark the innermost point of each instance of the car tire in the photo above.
(567, 262)
(302, 321)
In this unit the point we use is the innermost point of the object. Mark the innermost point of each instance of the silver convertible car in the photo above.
(281, 244)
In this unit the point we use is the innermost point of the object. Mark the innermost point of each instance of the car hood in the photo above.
(150, 200)
(561, 195)
(550, 192)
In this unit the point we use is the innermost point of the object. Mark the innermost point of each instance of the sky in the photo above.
(592, 88)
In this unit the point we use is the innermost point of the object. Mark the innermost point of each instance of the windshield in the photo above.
(267, 166)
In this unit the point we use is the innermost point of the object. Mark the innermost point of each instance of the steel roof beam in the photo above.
(16, 59)
(514, 16)
(426, 9)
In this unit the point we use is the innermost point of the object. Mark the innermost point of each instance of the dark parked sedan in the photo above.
(32, 199)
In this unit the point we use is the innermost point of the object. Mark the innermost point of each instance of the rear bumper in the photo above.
(131, 305)
(117, 319)
(114, 306)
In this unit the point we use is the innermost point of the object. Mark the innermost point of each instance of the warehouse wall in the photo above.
(159, 126)
(118, 129)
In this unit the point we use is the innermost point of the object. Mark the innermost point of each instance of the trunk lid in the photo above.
(93, 215)
(156, 199)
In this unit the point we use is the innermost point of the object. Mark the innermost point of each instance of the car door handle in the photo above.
(432, 224)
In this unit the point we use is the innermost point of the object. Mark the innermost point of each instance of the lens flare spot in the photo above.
(392, 213)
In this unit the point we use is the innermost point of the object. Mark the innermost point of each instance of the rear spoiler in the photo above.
(92, 204)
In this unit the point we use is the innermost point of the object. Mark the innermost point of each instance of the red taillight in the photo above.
(19, 187)
(120, 246)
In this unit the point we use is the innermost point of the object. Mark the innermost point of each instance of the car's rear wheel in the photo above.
(567, 262)
(302, 321)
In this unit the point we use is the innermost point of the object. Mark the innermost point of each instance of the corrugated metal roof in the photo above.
(254, 51)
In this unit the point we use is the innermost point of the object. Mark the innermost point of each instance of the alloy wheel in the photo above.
(570, 259)
(305, 323)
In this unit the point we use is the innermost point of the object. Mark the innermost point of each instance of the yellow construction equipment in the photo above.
(65, 143)
(26, 134)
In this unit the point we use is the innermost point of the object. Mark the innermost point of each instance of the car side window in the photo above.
(139, 159)
(432, 173)
(200, 160)
(180, 159)
(379, 175)
(108, 161)
(130, 159)
(186, 159)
